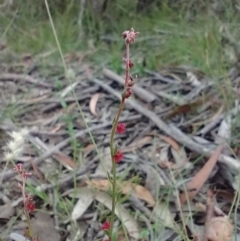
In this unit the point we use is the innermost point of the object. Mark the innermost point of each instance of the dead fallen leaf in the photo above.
(140, 191)
(126, 188)
(200, 178)
(86, 197)
(93, 103)
(137, 144)
(57, 128)
(170, 141)
(101, 184)
(65, 160)
(88, 148)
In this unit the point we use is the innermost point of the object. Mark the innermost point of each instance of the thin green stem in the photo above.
(26, 210)
(114, 201)
(114, 165)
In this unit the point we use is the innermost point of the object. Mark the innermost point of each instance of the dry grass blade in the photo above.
(200, 178)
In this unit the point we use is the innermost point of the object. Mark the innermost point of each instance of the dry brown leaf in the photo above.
(140, 191)
(170, 141)
(65, 160)
(126, 188)
(200, 178)
(93, 103)
(57, 128)
(218, 229)
(137, 144)
(86, 197)
(88, 148)
(101, 184)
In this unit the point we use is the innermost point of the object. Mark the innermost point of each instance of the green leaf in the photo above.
(114, 236)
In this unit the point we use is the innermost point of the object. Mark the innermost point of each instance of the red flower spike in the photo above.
(106, 226)
(118, 156)
(121, 128)
(18, 168)
(129, 36)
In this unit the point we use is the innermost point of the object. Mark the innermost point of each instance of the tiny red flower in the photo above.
(128, 93)
(30, 207)
(106, 226)
(131, 64)
(120, 128)
(130, 82)
(118, 156)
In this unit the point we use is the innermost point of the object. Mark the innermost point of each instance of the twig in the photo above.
(27, 78)
(140, 92)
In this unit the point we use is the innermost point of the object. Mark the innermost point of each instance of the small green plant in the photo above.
(15, 148)
(116, 154)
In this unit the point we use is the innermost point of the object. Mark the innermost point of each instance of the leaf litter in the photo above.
(173, 127)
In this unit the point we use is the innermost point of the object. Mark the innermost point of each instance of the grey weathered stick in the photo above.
(173, 131)
(27, 78)
(138, 91)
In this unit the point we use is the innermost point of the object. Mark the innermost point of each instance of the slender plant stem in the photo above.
(114, 164)
(26, 210)
(112, 148)
(127, 65)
